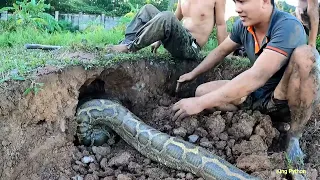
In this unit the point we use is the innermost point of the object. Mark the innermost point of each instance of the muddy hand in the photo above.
(178, 87)
(294, 153)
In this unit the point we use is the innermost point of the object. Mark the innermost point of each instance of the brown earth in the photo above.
(37, 132)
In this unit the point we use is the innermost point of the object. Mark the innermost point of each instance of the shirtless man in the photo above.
(307, 12)
(183, 40)
(283, 81)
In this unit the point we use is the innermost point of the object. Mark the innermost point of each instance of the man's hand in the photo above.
(155, 46)
(186, 77)
(186, 107)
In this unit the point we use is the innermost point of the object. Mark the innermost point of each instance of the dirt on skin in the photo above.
(37, 132)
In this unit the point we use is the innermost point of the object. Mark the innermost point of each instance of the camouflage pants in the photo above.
(151, 25)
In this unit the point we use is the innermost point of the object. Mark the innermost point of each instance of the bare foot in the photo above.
(117, 48)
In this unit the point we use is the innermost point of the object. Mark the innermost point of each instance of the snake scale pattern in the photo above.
(98, 118)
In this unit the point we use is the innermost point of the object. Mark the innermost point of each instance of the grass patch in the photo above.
(93, 35)
(17, 63)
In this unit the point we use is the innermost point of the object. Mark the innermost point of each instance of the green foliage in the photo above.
(32, 13)
(108, 7)
(34, 88)
(282, 5)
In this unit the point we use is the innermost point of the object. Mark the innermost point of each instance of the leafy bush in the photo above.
(32, 13)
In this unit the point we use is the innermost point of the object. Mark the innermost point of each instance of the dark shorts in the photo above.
(278, 110)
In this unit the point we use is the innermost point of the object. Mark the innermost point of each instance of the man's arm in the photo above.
(313, 14)
(267, 64)
(178, 11)
(215, 56)
(220, 20)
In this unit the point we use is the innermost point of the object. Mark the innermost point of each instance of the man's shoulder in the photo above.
(239, 25)
(281, 17)
(284, 20)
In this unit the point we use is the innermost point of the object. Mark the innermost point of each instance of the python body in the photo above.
(96, 117)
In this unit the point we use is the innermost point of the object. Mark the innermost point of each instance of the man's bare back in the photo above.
(182, 33)
(198, 18)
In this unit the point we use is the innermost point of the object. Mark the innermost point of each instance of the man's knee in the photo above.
(305, 56)
(201, 90)
(166, 15)
(149, 8)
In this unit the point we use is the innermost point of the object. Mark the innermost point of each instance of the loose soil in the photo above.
(37, 132)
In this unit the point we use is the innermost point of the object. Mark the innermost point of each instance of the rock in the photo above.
(156, 173)
(77, 177)
(253, 146)
(231, 143)
(108, 178)
(77, 156)
(193, 138)
(206, 144)
(85, 153)
(182, 132)
(134, 167)
(229, 116)
(87, 159)
(93, 167)
(278, 160)
(189, 176)
(146, 161)
(181, 175)
(272, 175)
(111, 141)
(228, 152)
(242, 129)
(190, 124)
(81, 164)
(82, 170)
(269, 130)
(311, 173)
(223, 136)
(167, 127)
(120, 160)
(103, 151)
(254, 163)
(215, 125)
(221, 144)
(123, 177)
(201, 132)
(91, 177)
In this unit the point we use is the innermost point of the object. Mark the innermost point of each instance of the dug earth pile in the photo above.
(38, 132)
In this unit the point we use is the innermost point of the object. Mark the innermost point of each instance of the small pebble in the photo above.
(77, 177)
(193, 138)
(87, 159)
(181, 175)
(189, 176)
(180, 132)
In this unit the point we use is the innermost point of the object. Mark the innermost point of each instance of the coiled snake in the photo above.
(97, 117)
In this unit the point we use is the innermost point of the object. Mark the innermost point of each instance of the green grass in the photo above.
(94, 35)
(18, 63)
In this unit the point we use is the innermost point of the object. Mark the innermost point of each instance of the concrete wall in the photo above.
(80, 20)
